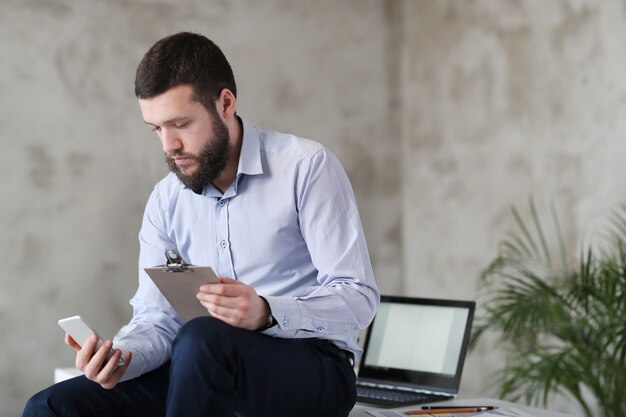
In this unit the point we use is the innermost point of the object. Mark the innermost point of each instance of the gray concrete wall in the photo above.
(78, 163)
(444, 113)
(504, 100)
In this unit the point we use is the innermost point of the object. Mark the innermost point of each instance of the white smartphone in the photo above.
(80, 331)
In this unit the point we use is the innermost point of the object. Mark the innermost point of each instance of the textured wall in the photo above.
(444, 113)
(78, 163)
(503, 100)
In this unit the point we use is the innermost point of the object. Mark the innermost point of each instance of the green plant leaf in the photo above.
(563, 328)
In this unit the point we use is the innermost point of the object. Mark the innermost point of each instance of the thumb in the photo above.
(224, 280)
(71, 342)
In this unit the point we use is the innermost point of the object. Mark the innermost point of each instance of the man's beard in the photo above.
(211, 160)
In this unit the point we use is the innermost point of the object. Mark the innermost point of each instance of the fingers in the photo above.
(233, 302)
(85, 352)
(225, 280)
(230, 315)
(227, 287)
(71, 342)
(101, 368)
(96, 362)
(225, 301)
(111, 374)
(118, 372)
(220, 298)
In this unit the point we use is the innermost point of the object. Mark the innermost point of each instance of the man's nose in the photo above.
(170, 140)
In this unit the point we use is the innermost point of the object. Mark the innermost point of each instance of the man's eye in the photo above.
(156, 129)
(181, 125)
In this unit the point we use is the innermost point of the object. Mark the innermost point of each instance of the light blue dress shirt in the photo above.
(288, 226)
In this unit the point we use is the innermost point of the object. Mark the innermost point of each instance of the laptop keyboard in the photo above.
(393, 398)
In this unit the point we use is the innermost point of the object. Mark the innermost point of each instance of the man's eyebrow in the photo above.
(168, 122)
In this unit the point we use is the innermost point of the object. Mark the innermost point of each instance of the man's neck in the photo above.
(229, 173)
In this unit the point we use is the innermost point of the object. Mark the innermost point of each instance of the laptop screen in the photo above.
(418, 341)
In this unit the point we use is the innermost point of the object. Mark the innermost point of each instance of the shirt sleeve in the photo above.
(347, 297)
(154, 326)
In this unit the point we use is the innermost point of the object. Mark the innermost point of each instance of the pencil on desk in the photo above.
(444, 411)
(478, 407)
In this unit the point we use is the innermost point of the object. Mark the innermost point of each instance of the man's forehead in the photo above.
(175, 103)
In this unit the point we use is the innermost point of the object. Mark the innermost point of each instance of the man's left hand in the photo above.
(234, 303)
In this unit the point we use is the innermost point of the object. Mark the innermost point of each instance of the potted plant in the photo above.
(562, 324)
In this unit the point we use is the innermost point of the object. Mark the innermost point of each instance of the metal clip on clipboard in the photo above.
(180, 289)
(175, 262)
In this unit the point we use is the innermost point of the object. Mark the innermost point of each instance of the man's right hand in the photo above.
(94, 364)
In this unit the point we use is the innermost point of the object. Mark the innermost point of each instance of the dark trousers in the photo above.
(218, 370)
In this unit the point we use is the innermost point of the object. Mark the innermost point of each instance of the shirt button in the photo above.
(320, 329)
(223, 244)
(221, 203)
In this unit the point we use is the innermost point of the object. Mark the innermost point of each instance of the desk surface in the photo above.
(359, 410)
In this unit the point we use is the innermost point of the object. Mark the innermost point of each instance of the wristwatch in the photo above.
(270, 321)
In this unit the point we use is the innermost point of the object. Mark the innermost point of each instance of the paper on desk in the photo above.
(499, 412)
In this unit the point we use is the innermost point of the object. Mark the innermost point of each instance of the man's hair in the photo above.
(185, 59)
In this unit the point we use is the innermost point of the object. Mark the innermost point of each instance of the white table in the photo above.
(359, 409)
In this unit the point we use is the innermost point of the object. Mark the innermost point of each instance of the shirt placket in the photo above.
(224, 253)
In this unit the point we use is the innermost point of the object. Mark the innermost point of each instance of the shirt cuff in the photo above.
(287, 314)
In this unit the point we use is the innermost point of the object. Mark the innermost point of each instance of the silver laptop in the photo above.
(414, 351)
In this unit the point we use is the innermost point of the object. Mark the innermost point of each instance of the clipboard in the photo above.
(179, 284)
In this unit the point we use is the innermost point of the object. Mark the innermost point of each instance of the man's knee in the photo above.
(39, 406)
(202, 336)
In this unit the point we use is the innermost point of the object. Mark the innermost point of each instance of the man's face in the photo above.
(195, 141)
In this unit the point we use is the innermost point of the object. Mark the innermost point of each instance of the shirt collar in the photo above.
(250, 155)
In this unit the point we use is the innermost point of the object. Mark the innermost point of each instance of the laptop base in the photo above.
(394, 398)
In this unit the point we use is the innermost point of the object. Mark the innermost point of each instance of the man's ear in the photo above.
(227, 104)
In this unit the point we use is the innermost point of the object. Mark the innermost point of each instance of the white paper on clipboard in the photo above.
(180, 288)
